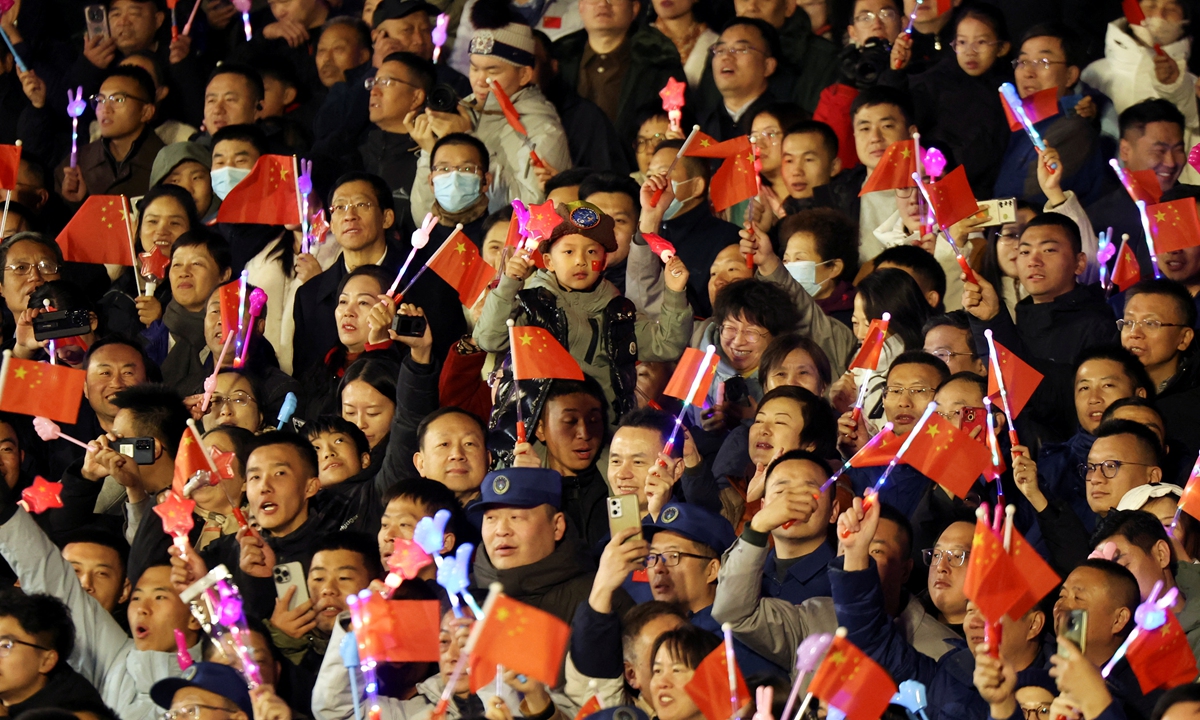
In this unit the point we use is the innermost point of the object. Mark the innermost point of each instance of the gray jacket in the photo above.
(104, 655)
(774, 628)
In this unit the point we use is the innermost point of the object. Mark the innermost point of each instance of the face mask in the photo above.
(455, 190)
(1162, 31)
(224, 179)
(676, 203)
(805, 273)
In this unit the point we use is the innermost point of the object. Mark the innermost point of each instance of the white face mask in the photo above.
(224, 179)
(805, 273)
(677, 202)
(1158, 31)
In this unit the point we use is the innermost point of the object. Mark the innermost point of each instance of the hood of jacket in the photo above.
(1121, 45)
(536, 579)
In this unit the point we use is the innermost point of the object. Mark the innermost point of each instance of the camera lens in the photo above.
(443, 99)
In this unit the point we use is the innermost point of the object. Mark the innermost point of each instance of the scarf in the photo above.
(185, 325)
(467, 215)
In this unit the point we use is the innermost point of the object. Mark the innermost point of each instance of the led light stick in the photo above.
(244, 7)
(258, 300)
(993, 446)
(887, 427)
(453, 572)
(41, 496)
(808, 656)
(962, 260)
(210, 382)
(182, 656)
(757, 193)
(731, 667)
(691, 396)
(243, 284)
(439, 710)
(856, 414)
(420, 238)
(349, 652)
(367, 664)
(1149, 238)
(682, 149)
(187, 28)
(440, 35)
(911, 696)
(302, 171)
(177, 520)
(1149, 616)
(912, 19)
(870, 494)
(49, 430)
(286, 410)
(923, 208)
(512, 348)
(13, 51)
(994, 357)
(1013, 100)
(75, 107)
(1104, 253)
(216, 603)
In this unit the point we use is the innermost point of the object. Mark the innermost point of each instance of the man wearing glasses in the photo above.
(743, 60)
(120, 162)
(207, 691)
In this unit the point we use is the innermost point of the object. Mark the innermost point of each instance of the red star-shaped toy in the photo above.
(154, 264)
(672, 95)
(42, 495)
(317, 227)
(407, 559)
(176, 514)
(543, 219)
(223, 461)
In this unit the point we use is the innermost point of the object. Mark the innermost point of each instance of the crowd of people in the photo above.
(348, 412)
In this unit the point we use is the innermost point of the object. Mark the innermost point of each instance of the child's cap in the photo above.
(583, 218)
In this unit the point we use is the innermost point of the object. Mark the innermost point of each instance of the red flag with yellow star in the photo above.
(99, 232)
(459, 263)
(537, 355)
(852, 682)
(709, 686)
(523, 639)
(1190, 502)
(992, 581)
(189, 460)
(1175, 225)
(952, 197)
(685, 374)
(879, 453)
(267, 196)
(38, 388)
(1020, 380)
(735, 180)
(948, 456)
(1038, 107)
(1126, 272)
(868, 355)
(1162, 658)
(1040, 578)
(398, 630)
(10, 164)
(895, 169)
(589, 707)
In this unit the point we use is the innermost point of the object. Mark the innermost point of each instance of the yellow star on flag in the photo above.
(526, 339)
(460, 248)
(1160, 216)
(933, 430)
(905, 152)
(20, 373)
(705, 143)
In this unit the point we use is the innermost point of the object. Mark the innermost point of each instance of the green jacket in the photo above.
(652, 59)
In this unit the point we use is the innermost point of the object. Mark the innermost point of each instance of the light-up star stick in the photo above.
(215, 602)
(420, 238)
(75, 107)
(1149, 616)
(244, 7)
(1013, 100)
(691, 396)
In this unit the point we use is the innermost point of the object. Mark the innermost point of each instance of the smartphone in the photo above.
(409, 325)
(1075, 628)
(97, 21)
(291, 575)
(61, 324)
(999, 211)
(141, 449)
(623, 513)
(973, 417)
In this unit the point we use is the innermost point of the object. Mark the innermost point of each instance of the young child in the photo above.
(583, 311)
(406, 503)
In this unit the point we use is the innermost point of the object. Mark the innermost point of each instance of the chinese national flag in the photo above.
(267, 196)
(99, 232)
(881, 453)
(948, 456)
(1020, 380)
(459, 263)
(523, 639)
(1145, 186)
(709, 686)
(1133, 12)
(685, 373)
(895, 169)
(992, 581)
(1162, 657)
(868, 355)
(1190, 502)
(736, 180)
(398, 630)
(506, 106)
(538, 355)
(1126, 272)
(1038, 107)
(38, 388)
(589, 707)
(1175, 225)
(231, 307)
(1040, 578)
(952, 197)
(852, 682)
(10, 163)
(188, 461)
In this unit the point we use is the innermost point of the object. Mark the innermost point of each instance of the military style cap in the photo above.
(517, 487)
(213, 677)
(694, 523)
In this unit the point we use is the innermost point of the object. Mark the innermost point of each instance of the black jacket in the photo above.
(67, 690)
(591, 137)
(1116, 210)
(1056, 331)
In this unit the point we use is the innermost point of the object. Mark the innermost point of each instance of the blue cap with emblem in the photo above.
(618, 712)
(694, 523)
(213, 677)
(517, 487)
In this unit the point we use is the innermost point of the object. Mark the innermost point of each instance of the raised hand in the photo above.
(257, 558)
(297, 622)
(856, 527)
(1025, 476)
(979, 298)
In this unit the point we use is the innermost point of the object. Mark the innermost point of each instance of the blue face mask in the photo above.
(676, 203)
(224, 179)
(805, 273)
(455, 190)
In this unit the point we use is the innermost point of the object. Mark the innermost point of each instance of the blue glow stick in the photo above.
(16, 58)
(349, 652)
(1018, 110)
(286, 410)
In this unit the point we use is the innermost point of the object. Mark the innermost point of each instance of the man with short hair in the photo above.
(344, 44)
(233, 96)
(948, 338)
(1125, 455)
(744, 58)
(401, 86)
(807, 61)
(809, 161)
(99, 560)
(618, 196)
(930, 274)
(1158, 327)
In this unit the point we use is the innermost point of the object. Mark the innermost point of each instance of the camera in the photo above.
(408, 325)
(61, 324)
(443, 99)
(141, 449)
(283, 575)
(861, 66)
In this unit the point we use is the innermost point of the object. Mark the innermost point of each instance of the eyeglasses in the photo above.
(905, 193)
(1036, 65)
(1035, 711)
(1108, 468)
(771, 136)
(385, 82)
(671, 559)
(239, 399)
(191, 712)
(868, 17)
(725, 49)
(117, 99)
(730, 333)
(956, 558)
(468, 169)
(1008, 237)
(945, 355)
(976, 47)
(44, 267)
(361, 207)
(6, 644)
(649, 143)
(1146, 324)
(893, 391)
